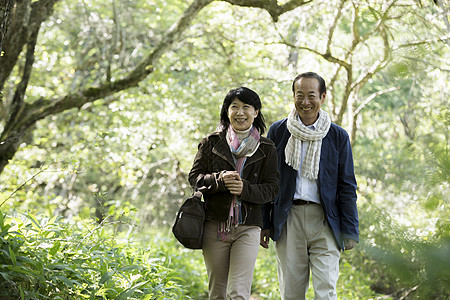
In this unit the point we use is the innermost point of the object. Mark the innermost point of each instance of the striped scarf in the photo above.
(240, 153)
(299, 132)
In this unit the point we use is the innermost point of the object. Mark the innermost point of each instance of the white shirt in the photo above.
(306, 189)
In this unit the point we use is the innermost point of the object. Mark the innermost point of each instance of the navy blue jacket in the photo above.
(336, 184)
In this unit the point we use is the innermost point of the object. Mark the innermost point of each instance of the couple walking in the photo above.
(297, 186)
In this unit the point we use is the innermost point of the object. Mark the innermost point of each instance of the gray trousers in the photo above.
(307, 244)
(230, 264)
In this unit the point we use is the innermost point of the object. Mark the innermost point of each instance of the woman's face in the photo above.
(241, 115)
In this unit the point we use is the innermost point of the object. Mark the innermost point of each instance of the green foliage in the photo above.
(189, 265)
(54, 259)
(131, 152)
(404, 234)
(398, 262)
(46, 258)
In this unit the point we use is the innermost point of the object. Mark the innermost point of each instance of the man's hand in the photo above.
(265, 237)
(349, 244)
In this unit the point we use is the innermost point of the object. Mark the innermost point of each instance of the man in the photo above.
(314, 214)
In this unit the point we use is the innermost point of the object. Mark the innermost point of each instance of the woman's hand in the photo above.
(233, 182)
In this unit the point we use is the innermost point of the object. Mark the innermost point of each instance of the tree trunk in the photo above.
(25, 25)
(5, 17)
(5, 14)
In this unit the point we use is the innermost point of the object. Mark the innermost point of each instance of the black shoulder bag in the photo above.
(188, 226)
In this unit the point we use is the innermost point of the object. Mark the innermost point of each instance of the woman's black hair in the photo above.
(247, 96)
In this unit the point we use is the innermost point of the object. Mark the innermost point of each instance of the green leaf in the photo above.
(22, 294)
(52, 220)
(12, 256)
(22, 270)
(129, 292)
(34, 221)
(57, 266)
(131, 267)
(92, 296)
(1, 220)
(106, 276)
(55, 248)
(5, 276)
(4, 228)
(66, 281)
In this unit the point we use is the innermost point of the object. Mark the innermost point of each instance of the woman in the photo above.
(236, 170)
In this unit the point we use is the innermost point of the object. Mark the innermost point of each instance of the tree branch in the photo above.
(22, 185)
(271, 6)
(331, 84)
(373, 96)
(361, 106)
(377, 65)
(333, 26)
(444, 13)
(45, 107)
(445, 39)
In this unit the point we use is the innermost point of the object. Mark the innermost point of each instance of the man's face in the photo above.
(307, 99)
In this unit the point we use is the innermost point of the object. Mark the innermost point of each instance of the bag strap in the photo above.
(198, 192)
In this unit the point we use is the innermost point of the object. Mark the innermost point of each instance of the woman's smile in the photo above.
(241, 115)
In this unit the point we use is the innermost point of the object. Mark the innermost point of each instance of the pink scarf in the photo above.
(240, 153)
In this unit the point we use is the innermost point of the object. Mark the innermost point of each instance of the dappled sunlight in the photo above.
(101, 119)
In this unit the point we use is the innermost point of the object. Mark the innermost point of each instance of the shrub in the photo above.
(52, 259)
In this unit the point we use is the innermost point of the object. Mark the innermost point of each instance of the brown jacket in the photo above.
(260, 178)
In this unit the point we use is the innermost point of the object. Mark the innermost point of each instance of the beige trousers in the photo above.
(307, 244)
(230, 263)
